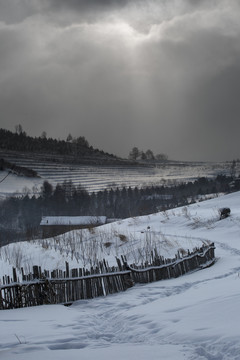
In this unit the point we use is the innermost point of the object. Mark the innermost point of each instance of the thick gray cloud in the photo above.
(155, 74)
(86, 4)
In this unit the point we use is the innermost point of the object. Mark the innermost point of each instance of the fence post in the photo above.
(35, 272)
(67, 270)
(14, 275)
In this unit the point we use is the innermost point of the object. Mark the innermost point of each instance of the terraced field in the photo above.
(96, 178)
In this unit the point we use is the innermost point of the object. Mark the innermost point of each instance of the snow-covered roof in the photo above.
(73, 220)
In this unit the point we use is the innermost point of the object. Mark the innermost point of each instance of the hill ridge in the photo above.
(77, 151)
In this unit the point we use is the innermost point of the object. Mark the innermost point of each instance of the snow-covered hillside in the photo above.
(18, 185)
(193, 317)
(96, 178)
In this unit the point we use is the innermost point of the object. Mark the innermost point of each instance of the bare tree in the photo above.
(19, 129)
(44, 135)
(69, 138)
(134, 153)
(161, 157)
(149, 155)
(233, 169)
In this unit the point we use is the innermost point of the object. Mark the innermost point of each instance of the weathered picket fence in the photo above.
(161, 268)
(64, 287)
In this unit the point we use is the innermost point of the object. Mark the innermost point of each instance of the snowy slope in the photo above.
(193, 317)
(18, 185)
(96, 178)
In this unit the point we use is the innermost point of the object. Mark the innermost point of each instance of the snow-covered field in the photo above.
(192, 317)
(18, 185)
(96, 178)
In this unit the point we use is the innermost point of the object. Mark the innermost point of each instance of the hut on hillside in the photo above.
(56, 225)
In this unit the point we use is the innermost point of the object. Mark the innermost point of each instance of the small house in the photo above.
(56, 225)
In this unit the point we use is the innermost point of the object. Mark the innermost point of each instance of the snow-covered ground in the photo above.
(18, 185)
(96, 178)
(192, 317)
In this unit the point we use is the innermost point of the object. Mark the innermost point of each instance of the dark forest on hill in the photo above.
(73, 149)
(20, 217)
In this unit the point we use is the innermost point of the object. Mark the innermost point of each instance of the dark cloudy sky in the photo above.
(158, 74)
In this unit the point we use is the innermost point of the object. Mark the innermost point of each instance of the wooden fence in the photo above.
(64, 287)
